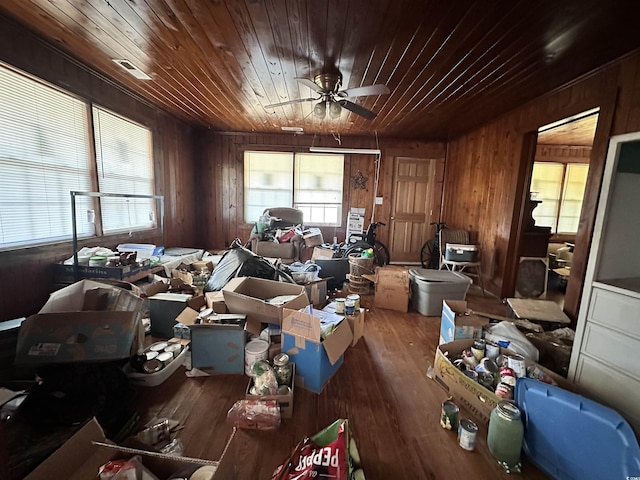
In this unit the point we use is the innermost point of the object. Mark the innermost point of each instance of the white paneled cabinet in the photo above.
(605, 360)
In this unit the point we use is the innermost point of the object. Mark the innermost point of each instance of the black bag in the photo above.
(239, 261)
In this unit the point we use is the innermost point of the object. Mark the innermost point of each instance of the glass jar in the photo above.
(505, 435)
(283, 369)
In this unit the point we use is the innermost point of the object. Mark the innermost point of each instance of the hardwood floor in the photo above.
(382, 388)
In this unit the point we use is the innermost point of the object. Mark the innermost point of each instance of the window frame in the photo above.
(293, 153)
(562, 190)
(98, 234)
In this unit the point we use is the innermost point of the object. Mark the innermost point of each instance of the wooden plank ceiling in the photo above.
(450, 65)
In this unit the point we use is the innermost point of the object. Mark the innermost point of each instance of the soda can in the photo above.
(467, 431)
(449, 415)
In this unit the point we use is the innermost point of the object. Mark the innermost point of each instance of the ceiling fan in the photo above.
(332, 99)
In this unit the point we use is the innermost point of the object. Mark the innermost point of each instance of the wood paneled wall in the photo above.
(221, 163)
(488, 170)
(26, 275)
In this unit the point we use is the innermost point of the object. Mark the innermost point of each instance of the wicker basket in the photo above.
(359, 285)
(360, 265)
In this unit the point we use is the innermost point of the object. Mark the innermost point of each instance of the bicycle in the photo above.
(380, 251)
(430, 252)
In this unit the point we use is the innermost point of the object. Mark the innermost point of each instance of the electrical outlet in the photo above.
(378, 200)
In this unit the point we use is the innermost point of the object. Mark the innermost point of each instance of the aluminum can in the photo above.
(467, 431)
(449, 415)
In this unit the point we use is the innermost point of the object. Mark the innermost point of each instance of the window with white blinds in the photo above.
(46, 152)
(311, 182)
(560, 188)
(123, 154)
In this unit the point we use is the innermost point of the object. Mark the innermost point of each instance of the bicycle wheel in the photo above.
(428, 256)
(381, 253)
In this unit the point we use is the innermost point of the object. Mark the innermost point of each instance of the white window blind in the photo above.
(44, 154)
(310, 182)
(318, 187)
(125, 166)
(268, 182)
(575, 181)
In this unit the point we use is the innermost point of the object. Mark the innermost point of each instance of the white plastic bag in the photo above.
(507, 331)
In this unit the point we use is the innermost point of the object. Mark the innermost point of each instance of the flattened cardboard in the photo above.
(323, 253)
(66, 337)
(392, 288)
(248, 294)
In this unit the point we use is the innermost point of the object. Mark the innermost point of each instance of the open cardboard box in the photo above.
(85, 322)
(316, 360)
(473, 396)
(285, 402)
(356, 322)
(458, 322)
(249, 295)
(81, 457)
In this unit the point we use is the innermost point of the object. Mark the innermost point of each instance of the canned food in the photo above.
(151, 355)
(349, 306)
(449, 415)
(356, 298)
(158, 346)
(152, 366)
(478, 349)
(174, 349)
(164, 358)
(517, 364)
(467, 431)
(340, 302)
(492, 350)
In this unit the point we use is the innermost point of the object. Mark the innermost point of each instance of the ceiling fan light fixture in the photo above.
(320, 110)
(335, 110)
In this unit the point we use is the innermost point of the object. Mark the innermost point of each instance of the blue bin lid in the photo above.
(569, 436)
(445, 276)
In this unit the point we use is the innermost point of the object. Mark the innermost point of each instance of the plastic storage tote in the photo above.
(430, 287)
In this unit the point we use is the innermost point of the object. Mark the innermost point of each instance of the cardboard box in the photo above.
(317, 293)
(473, 396)
(313, 237)
(392, 288)
(80, 459)
(215, 301)
(249, 295)
(164, 309)
(316, 360)
(64, 273)
(91, 295)
(356, 322)
(322, 253)
(67, 337)
(459, 323)
(285, 402)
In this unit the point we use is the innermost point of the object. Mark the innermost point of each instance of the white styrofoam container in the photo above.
(154, 379)
(430, 287)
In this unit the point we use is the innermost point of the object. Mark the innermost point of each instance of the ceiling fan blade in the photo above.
(357, 109)
(310, 84)
(290, 102)
(364, 91)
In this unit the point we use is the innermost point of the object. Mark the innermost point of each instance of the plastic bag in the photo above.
(518, 342)
(330, 453)
(257, 414)
(238, 261)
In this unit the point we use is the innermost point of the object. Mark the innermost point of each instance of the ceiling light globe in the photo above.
(320, 110)
(335, 110)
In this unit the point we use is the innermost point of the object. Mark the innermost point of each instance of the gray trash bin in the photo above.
(430, 287)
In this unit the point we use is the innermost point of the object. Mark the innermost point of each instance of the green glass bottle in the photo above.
(505, 436)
